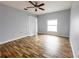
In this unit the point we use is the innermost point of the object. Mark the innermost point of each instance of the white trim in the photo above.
(72, 48)
(54, 33)
(13, 39)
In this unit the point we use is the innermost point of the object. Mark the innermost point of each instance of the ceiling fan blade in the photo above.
(35, 9)
(30, 7)
(25, 9)
(41, 5)
(35, 2)
(41, 8)
(32, 3)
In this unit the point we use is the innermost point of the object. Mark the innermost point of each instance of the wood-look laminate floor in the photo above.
(41, 46)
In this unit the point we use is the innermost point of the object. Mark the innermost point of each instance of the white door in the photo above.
(32, 25)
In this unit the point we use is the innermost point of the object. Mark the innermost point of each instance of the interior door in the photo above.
(32, 25)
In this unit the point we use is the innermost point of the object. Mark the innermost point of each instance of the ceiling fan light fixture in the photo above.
(36, 6)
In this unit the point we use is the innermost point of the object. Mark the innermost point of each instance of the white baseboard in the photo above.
(53, 33)
(13, 39)
(72, 48)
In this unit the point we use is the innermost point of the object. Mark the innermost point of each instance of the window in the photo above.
(52, 25)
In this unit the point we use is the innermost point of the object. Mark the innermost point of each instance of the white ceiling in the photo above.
(50, 6)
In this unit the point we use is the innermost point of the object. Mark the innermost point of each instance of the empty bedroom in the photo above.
(39, 29)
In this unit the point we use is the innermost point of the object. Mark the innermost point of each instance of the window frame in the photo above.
(52, 25)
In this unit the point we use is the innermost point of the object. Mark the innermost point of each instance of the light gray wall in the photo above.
(14, 23)
(74, 28)
(63, 18)
(1, 22)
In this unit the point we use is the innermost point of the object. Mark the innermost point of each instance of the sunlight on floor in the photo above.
(52, 44)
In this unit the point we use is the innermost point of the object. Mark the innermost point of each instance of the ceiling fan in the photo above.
(36, 6)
